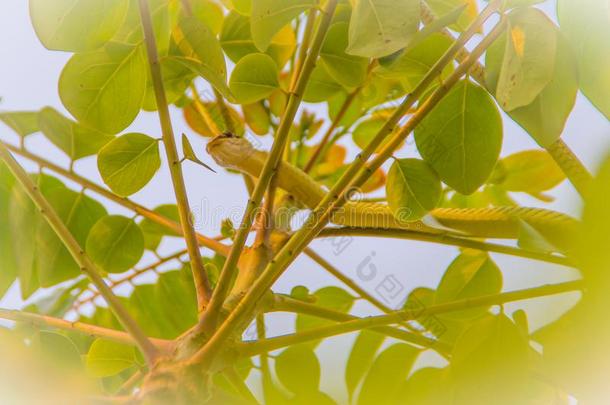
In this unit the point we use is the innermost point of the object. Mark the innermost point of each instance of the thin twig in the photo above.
(447, 240)
(85, 328)
(287, 304)
(407, 315)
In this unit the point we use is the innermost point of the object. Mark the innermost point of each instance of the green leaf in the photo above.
(348, 70)
(254, 78)
(198, 49)
(366, 130)
(411, 66)
(333, 298)
(24, 222)
(189, 153)
(471, 274)
(76, 25)
(131, 31)
(74, 139)
(531, 171)
(257, 117)
(529, 58)
(298, 369)
(153, 232)
(466, 16)
(24, 123)
(381, 27)
(115, 243)
(427, 386)
(545, 118)
(490, 364)
(210, 13)
(579, 339)
(413, 189)
(45, 261)
(269, 16)
(586, 24)
(107, 358)
(57, 349)
(320, 86)
(461, 138)
(236, 40)
(8, 265)
(79, 213)
(129, 162)
(387, 373)
(176, 79)
(361, 358)
(109, 96)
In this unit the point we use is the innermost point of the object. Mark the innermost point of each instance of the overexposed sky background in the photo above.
(28, 81)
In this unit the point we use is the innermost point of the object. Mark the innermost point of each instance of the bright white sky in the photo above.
(28, 81)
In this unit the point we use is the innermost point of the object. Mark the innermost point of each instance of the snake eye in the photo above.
(228, 134)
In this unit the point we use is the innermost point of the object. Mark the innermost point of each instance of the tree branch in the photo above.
(446, 240)
(406, 315)
(85, 328)
(80, 257)
(202, 284)
(287, 304)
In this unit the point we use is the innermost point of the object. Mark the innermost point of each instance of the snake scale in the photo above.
(238, 154)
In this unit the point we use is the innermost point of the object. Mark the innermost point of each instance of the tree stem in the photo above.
(447, 240)
(202, 283)
(407, 315)
(88, 329)
(286, 304)
(149, 351)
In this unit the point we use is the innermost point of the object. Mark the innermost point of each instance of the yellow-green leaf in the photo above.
(348, 70)
(76, 25)
(198, 49)
(389, 370)
(24, 123)
(412, 189)
(381, 27)
(529, 58)
(104, 89)
(254, 78)
(545, 118)
(269, 16)
(586, 24)
(115, 243)
(74, 139)
(471, 274)
(129, 162)
(461, 138)
(107, 358)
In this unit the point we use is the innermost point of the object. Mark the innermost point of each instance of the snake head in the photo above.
(227, 149)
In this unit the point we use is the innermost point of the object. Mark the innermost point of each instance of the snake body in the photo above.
(497, 222)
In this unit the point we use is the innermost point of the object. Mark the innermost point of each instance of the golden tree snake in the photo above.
(238, 154)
